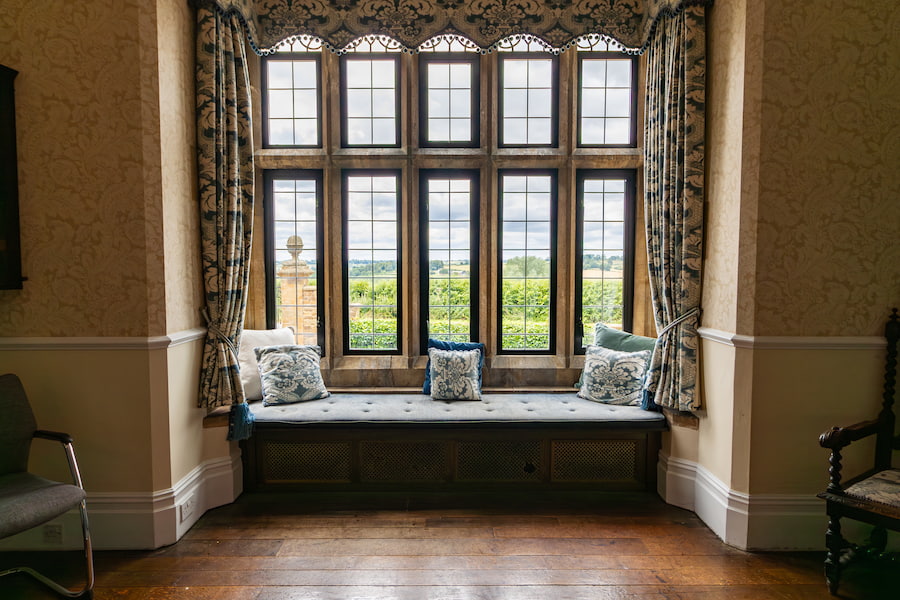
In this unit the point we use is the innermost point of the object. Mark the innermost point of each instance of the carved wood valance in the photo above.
(484, 22)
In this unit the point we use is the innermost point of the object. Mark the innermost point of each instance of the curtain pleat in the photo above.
(673, 202)
(225, 172)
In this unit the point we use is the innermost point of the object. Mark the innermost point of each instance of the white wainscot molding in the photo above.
(140, 521)
(748, 522)
(160, 342)
(778, 342)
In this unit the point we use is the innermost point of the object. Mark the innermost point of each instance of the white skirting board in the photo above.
(137, 521)
(748, 522)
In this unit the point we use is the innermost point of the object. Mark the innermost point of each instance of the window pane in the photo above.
(280, 104)
(540, 103)
(449, 102)
(359, 73)
(294, 215)
(515, 73)
(383, 103)
(618, 103)
(359, 103)
(540, 131)
(449, 301)
(515, 131)
(515, 103)
(460, 103)
(527, 101)
(618, 73)
(305, 103)
(281, 132)
(526, 284)
(370, 102)
(618, 131)
(438, 103)
(292, 102)
(606, 100)
(593, 102)
(371, 272)
(384, 132)
(280, 75)
(383, 73)
(460, 130)
(602, 270)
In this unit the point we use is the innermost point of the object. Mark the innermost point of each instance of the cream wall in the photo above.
(802, 259)
(106, 334)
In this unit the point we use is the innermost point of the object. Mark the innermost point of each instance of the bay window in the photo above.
(449, 194)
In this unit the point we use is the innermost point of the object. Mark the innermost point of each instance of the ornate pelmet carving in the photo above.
(485, 22)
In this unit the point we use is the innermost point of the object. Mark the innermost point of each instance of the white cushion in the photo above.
(258, 338)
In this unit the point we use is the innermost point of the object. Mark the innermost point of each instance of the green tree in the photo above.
(526, 266)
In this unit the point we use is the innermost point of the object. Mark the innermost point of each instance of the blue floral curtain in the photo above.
(225, 171)
(673, 202)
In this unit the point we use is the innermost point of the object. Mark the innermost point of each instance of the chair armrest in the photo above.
(838, 438)
(841, 437)
(66, 440)
(63, 438)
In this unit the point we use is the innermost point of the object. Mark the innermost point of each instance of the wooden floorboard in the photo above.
(606, 547)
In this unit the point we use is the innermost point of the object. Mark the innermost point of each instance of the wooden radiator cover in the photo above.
(444, 458)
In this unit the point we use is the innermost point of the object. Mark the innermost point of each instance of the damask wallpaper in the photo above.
(803, 139)
(81, 146)
(828, 257)
(104, 180)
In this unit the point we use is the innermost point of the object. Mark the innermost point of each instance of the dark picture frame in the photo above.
(10, 248)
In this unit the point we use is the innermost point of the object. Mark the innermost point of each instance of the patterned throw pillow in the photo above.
(613, 377)
(290, 374)
(454, 374)
(445, 345)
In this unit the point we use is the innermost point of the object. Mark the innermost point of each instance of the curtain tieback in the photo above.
(214, 329)
(693, 312)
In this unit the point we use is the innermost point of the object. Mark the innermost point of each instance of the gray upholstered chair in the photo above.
(27, 500)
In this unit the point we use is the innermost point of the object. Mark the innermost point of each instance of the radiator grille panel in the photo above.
(595, 460)
(499, 461)
(402, 461)
(306, 461)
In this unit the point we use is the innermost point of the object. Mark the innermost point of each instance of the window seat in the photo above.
(343, 408)
(407, 441)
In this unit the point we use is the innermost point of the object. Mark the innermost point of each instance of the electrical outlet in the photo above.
(186, 508)
(53, 533)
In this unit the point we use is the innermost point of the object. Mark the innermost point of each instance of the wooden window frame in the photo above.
(398, 92)
(474, 176)
(475, 106)
(270, 176)
(345, 270)
(502, 57)
(554, 251)
(589, 55)
(264, 78)
(630, 177)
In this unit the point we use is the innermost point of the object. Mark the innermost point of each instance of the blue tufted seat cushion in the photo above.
(494, 408)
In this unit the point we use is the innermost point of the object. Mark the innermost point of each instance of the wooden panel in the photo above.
(428, 457)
